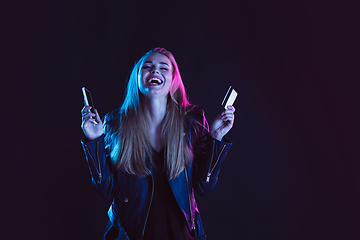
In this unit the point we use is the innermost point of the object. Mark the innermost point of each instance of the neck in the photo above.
(155, 109)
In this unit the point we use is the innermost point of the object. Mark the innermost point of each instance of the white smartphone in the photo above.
(88, 99)
(229, 98)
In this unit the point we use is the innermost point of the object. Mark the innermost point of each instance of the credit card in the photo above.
(229, 98)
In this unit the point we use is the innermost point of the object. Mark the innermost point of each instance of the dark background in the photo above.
(292, 172)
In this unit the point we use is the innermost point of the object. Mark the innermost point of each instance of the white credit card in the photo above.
(229, 98)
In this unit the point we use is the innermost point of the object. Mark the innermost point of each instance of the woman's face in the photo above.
(156, 76)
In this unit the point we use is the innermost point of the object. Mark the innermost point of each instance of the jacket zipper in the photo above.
(190, 208)
(217, 160)
(147, 215)
(97, 156)
(211, 160)
(92, 158)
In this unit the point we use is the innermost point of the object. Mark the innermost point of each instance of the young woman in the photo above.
(150, 155)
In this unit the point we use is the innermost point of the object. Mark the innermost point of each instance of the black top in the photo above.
(165, 220)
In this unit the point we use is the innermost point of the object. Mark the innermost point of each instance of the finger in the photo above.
(228, 115)
(97, 116)
(85, 110)
(92, 120)
(88, 122)
(85, 124)
(88, 115)
(226, 112)
(87, 118)
(231, 108)
(229, 118)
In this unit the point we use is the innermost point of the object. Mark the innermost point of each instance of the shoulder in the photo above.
(111, 120)
(195, 112)
(115, 114)
(196, 117)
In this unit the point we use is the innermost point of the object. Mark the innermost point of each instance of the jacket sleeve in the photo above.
(209, 154)
(99, 166)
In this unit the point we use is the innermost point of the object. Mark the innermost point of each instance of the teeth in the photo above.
(155, 81)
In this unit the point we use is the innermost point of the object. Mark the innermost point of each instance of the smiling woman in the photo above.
(156, 76)
(150, 155)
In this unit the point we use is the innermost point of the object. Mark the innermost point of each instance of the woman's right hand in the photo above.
(91, 123)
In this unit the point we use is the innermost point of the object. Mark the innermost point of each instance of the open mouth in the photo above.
(155, 81)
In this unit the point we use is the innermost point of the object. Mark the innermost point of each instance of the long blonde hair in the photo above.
(128, 142)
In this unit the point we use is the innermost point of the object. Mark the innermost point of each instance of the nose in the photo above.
(155, 70)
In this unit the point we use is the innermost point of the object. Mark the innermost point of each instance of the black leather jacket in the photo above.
(132, 195)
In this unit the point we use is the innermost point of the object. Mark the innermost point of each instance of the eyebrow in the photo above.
(160, 62)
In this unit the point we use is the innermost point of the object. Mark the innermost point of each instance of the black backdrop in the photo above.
(292, 172)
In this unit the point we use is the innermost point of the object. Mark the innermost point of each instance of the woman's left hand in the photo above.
(223, 123)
